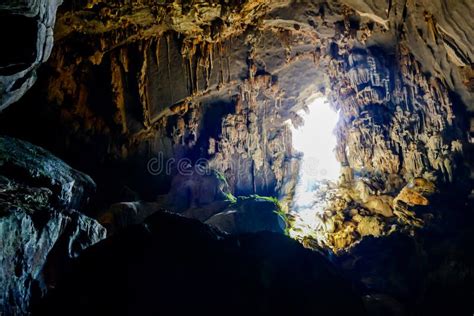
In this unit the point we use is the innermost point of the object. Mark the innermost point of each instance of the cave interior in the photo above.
(237, 157)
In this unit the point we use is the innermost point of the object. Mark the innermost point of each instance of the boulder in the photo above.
(37, 167)
(380, 205)
(416, 192)
(249, 215)
(39, 230)
(193, 196)
(369, 225)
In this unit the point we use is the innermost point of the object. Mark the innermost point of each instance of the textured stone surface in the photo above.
(223, 81)
(29, 46)
(352, 210)
(38, 226)
(35, 166)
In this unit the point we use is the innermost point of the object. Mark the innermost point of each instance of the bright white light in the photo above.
(317, 141)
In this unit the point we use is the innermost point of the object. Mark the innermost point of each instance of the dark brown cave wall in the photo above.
(219, 81)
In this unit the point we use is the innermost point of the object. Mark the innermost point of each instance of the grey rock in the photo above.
(38, 227)
(27, 238)
(37, 167)
(26, 18)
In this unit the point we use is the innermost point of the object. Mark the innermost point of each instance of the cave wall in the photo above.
(421, 65)
(406, 117)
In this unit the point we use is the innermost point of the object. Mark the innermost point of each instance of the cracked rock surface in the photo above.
(39, 228)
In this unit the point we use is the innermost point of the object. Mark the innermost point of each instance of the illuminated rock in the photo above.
(416, 192)
(380, 205)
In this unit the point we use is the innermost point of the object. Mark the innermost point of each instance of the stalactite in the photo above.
(168, 65)
(118, 91)
(142, 84)
(157, 51)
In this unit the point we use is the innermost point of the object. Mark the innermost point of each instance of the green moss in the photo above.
(219, 175)
(230, 198)
(225, 187)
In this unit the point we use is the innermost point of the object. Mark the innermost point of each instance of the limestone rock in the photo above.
(339, 219)
(223, 83)
(369, 226)
(39, 229)
(197, 196)
(416, 192)
(27, 241)
(35, 166)
(380, 205)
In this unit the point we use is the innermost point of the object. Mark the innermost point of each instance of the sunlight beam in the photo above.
(316, 140)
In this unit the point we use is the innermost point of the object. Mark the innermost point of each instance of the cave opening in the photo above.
(319, 169)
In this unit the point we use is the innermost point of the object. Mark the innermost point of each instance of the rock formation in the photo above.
(29, 45)
(222, 82)
(39, 228)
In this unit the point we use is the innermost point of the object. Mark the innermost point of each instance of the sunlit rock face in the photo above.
(40, 229)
